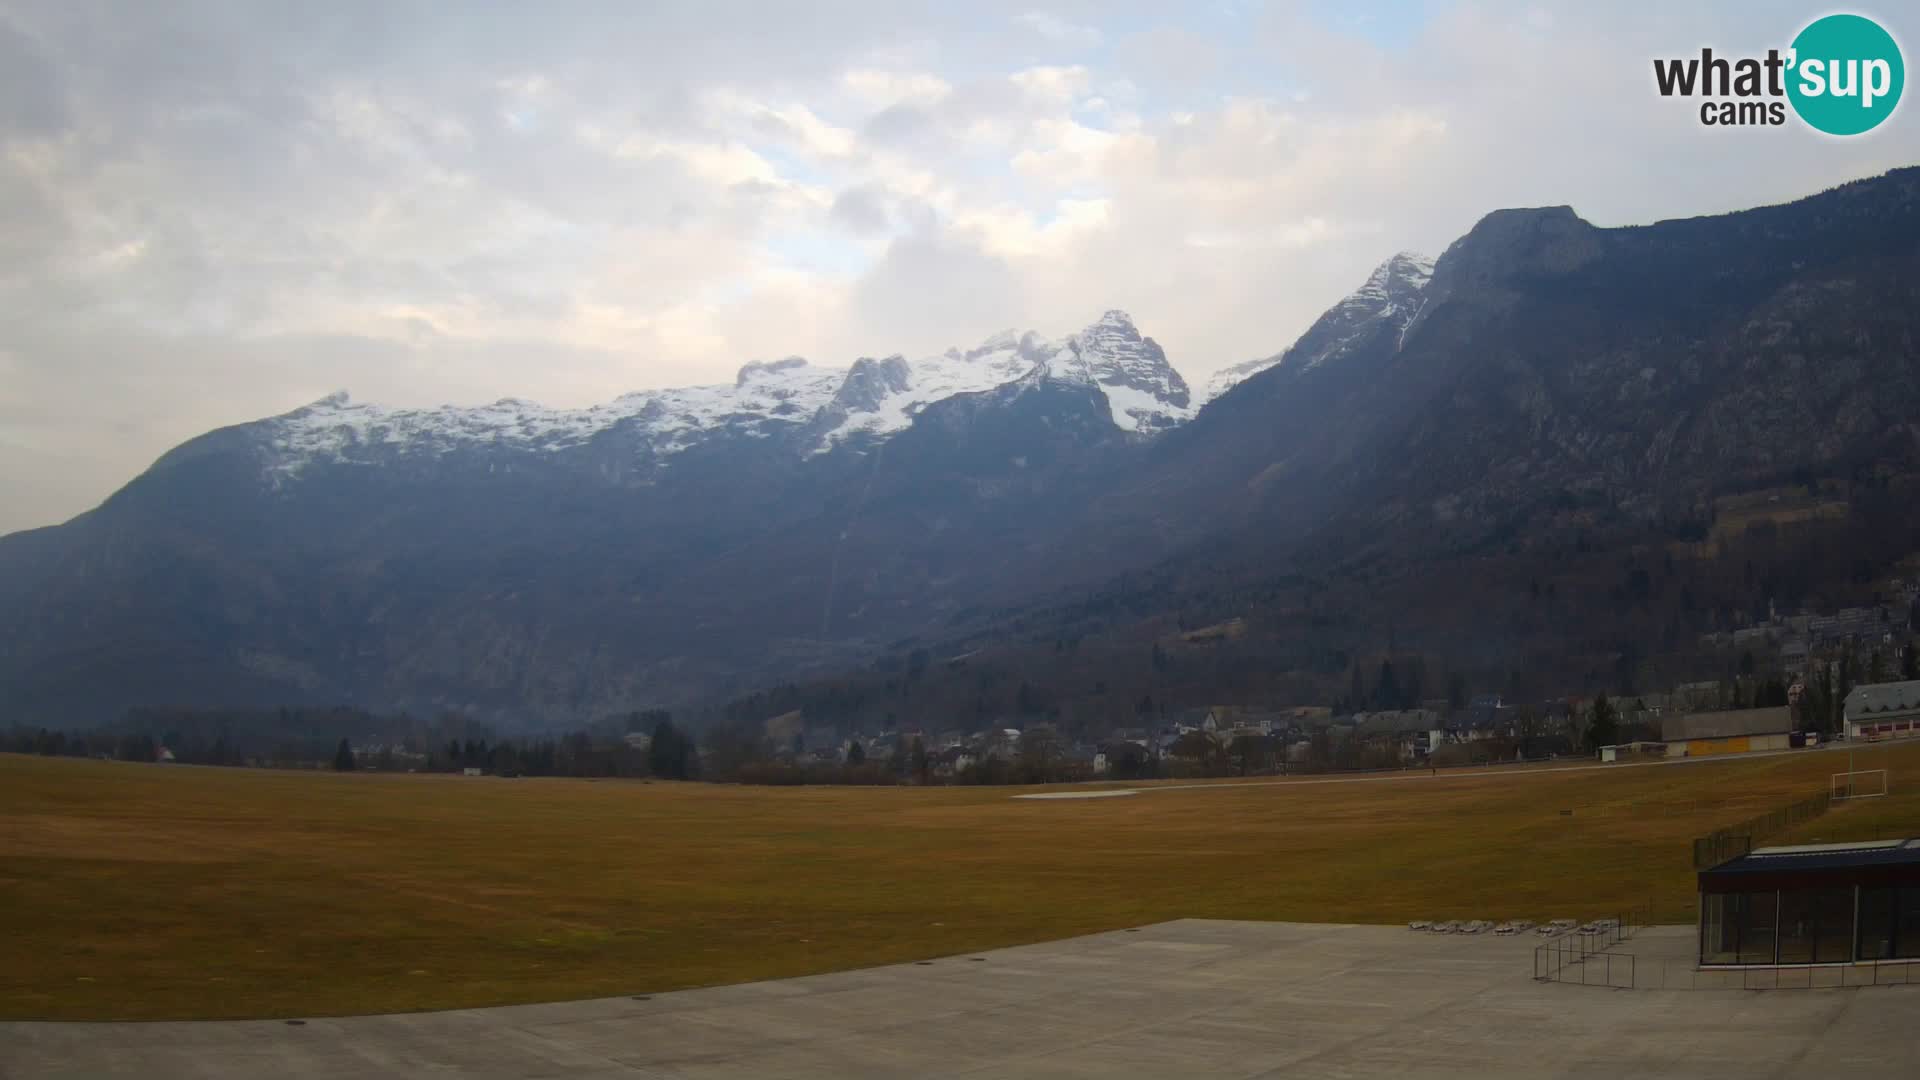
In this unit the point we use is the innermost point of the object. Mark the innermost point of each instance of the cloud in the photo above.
(862, 209)
(1058, 30)
(30, 97)
(221, 212)
(878, 88)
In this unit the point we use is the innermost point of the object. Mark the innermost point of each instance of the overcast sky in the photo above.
(213, 212)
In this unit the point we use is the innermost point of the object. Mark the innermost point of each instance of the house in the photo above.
(1699, 696)
(1483, 708)
(1732, 731)
(1417, 731)
(1653, 703)
(1794, 653)
(1003, 743)
(1864, 623)
(1184, 720)
(1883, 711)
(952, 760)
(1242, 719)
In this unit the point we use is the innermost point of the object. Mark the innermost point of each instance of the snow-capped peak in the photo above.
(1406, 271)
(765, 397)
(890, 400)
(1145, 392)
(1393, 293)
(873, 398)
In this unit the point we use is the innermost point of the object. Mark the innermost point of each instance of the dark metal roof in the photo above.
(1769, 720)
(1866, 702)
(1807, 859)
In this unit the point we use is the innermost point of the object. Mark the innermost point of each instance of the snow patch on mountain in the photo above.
(1394, 292)
(1144, 391)
(763, 398)
(1228, 377)
(873, 398)
(1000, 359)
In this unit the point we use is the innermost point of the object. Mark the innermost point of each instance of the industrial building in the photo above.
(1812, 904)
(1733, 731)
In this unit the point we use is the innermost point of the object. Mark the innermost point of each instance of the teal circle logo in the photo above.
(1846, 74)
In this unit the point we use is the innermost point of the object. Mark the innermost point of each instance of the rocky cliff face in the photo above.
(1649, 368)
(1144, 391)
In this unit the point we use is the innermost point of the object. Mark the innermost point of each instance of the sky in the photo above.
(214, 212)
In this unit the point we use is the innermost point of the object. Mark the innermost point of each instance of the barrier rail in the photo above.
(1581, 955)
(1577, 957)
(1625, 971)
(1731, 842)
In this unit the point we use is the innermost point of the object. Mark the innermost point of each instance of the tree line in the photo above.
(349, 739)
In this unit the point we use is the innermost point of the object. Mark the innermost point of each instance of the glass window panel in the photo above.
(1906, 935)
(1717, 942)
(1754, 916)
(1833, 925)
(1796, 926)
(1876, 923)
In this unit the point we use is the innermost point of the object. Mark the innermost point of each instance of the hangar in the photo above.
(1812, 904)
(1734, 731)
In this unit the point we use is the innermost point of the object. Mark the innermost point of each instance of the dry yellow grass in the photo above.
(132, 891)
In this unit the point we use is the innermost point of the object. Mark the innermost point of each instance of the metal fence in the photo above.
(1584, 959)
(1582, 954)
(1685, 975)
(1555, 962)
(1734, 841)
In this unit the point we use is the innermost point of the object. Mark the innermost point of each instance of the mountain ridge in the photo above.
(872, 398)
(1546, 388)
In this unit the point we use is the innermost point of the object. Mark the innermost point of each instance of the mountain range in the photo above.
(804, 408)
(1545, 388)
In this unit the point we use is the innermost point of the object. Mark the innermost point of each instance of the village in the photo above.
(1233, 740)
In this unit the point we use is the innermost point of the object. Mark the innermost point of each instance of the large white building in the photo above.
(1883, 711)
